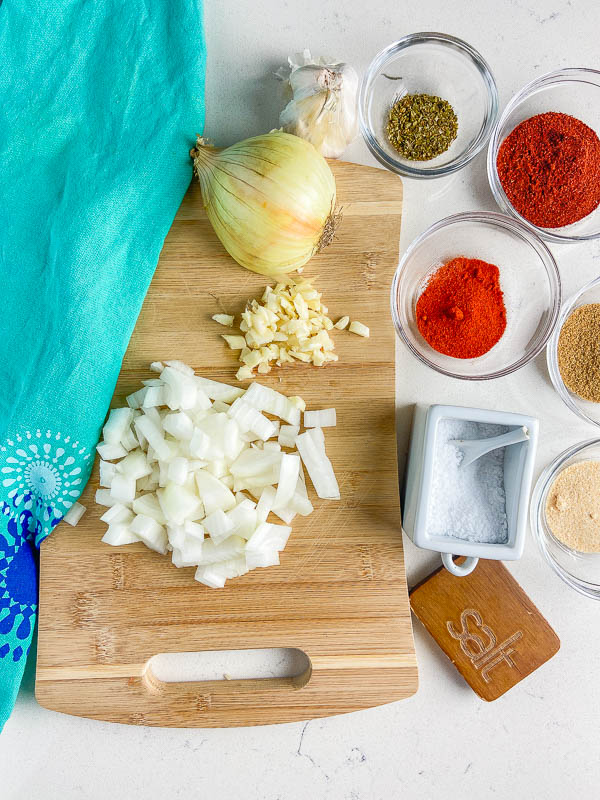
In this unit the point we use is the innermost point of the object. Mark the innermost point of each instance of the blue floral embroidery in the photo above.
(44, 475)
(41, 476)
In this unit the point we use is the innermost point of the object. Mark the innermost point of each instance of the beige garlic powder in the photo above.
(573, 507)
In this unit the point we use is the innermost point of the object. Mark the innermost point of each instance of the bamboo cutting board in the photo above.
(340, 593)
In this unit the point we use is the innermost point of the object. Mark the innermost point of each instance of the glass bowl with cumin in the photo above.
(427, 106)
(573, 353)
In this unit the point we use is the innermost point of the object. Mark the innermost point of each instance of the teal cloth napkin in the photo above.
(99, 104)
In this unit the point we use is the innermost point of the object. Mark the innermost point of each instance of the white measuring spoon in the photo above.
(475, 448)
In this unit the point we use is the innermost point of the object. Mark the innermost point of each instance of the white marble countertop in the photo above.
(541, 739)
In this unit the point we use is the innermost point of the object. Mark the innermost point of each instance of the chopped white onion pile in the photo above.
(199, 468)
(288, 324)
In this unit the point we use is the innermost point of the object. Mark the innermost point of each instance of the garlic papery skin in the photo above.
(323, 108)
(270, 199)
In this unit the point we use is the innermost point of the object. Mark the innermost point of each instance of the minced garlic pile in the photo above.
(290, 323)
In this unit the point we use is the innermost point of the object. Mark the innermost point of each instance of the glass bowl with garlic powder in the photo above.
(441, 99)
(573, 353)
(565, 516)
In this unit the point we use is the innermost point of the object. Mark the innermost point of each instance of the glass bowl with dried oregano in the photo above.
(428, 104)
(574, 353)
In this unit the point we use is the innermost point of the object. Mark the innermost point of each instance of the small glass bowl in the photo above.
(529, 279)
(581, 571)
(574, 91)
(586, 409)
(437, 64)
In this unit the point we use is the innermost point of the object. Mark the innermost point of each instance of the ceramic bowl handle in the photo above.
(460, 570)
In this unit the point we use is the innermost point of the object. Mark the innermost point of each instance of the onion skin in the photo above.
(270, 199)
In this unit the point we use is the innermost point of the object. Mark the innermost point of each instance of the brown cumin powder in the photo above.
(573, 507)
(579, 352)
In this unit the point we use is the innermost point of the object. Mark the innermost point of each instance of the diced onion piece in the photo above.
(153, 435)
(119, 534)
(263, 398)
(269, 536)
(254, 462)
(155, 396)
(179, 425)
(342, 323)
(177, 536)
(148, 505)
(109, 452)
(117, 513)
(180, 367)
(122, 488)
(150, 532)
(129, 439)
(265, 503)
(209, 577)
(182, 389)
(318, 465)
(104, 498)
(288, 478)
(194, 529)
(229, 548)
(107, 472)
(74, 514)
(262, 558)
(218, 525)
(325, 418)
(243, 518)
(119, 419)
(287, 435)
(249, 418)
(156, 366)
(177, 503)
(223, 319)
(213, 493)
(178, 470)
(218, 391)
(135, 465)
(359, 329)
(189, 554)
(285, 514)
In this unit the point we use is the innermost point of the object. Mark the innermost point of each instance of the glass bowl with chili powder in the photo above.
(431, 64)
(489, 289)
(544, 156)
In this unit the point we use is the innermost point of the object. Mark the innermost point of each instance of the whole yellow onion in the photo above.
(270, 200)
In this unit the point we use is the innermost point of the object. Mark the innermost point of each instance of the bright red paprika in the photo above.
(461, 311)
(549, 168)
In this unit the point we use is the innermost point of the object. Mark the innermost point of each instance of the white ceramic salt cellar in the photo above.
(518, 472)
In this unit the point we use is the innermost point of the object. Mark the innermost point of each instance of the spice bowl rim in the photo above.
(537, 519)
(515, 227)
(549, 78)
(552, 352)
(463, 158)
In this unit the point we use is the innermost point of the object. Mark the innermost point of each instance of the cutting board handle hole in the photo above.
(215, 665)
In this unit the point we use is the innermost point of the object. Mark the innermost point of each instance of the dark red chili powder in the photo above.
(461, 311)
(549, 168)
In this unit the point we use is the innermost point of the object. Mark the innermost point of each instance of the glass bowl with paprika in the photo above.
(544, 156)
(573, 353)
(476, 296)
(427, 106)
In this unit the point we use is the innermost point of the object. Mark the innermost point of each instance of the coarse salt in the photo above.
(468, 502)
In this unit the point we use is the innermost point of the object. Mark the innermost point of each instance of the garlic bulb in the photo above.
(323, 105)
(270, 200)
